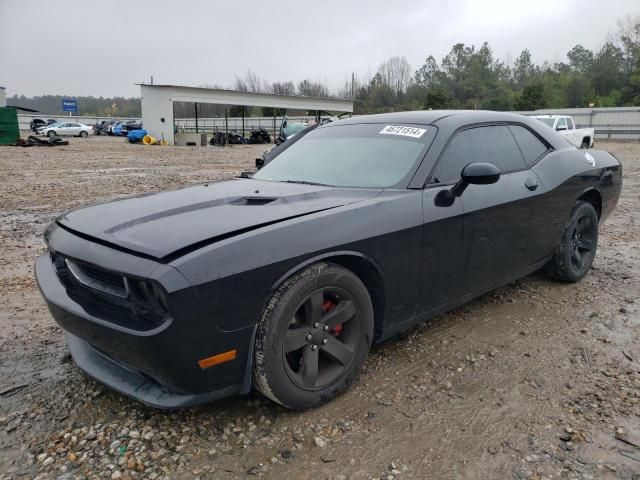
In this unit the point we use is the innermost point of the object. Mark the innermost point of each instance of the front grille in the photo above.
(134, 303)
(73, 273)
(98, 278)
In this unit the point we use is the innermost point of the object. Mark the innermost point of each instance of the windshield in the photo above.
(364, 155)
(547, 121)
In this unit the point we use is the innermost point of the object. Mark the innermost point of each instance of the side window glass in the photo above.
(562, 124)
(570, 123)
(531, 146)
(491, 144)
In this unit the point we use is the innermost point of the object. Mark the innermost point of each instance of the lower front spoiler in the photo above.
(133, 384)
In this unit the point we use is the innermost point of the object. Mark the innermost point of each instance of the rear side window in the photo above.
(531, 146)
(491, 144)
(570, 123)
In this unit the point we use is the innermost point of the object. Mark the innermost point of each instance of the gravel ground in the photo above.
(535, 380)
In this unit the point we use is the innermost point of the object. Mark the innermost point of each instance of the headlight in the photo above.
(150, 294)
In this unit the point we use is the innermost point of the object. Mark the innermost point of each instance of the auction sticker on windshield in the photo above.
(404, 131)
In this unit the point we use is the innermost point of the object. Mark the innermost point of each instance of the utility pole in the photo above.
(353, 77)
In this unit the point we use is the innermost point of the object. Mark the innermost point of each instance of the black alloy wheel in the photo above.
(574, 256)
(313, 337)
(322, 338)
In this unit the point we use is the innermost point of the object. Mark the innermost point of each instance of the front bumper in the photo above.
(133, 384)
(159, 366)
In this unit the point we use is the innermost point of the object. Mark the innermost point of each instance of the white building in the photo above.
(157, 104)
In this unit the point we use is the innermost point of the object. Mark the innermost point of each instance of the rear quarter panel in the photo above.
(566, 175)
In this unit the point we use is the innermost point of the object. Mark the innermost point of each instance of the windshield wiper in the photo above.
(305, 182)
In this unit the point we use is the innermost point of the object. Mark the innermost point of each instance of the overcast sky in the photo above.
(102, 48)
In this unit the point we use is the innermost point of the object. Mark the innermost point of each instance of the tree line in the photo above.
(466, 77)
(470, 77)
(92, 106)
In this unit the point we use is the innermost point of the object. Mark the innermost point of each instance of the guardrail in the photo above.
(628, 134)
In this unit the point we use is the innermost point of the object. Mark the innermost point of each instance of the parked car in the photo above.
(120, 128)
(117, 124)
(362, 229)
(565, 126)
(67, 128)
(130, 126)
(288, 129)
(101, 127)
(36, 123)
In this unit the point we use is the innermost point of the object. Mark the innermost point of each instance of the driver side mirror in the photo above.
(476, 174)
(472, 174)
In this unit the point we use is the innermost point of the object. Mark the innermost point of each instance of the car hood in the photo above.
(172, 223)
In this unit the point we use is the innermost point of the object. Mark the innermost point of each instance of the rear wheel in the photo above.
(574, 256)
(52, 133)
(313, 337)
(584, 144)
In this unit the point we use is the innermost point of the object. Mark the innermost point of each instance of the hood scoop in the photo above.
(254, 201)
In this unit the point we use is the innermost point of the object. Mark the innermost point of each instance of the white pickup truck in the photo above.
(563, 124)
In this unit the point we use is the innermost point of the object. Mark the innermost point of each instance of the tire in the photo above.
(573, 258)
(51, 133)
(84, 134)
(313, 337)
(585, 144)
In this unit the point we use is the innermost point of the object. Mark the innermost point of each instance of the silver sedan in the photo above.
(67, 128)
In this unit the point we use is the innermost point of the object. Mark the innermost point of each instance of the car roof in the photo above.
(433, 117)
(449, 121)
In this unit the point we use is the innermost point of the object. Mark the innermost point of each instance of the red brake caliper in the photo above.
(327, 307)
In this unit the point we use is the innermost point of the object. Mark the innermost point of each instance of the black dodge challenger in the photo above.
(282, 281)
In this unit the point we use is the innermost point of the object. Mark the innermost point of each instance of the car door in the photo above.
(442, 236)
(496, 217)
(65, 129)
(572, 134)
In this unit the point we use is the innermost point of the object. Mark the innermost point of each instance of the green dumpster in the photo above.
(9, 130)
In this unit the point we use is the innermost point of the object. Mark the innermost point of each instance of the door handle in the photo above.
(531, 183)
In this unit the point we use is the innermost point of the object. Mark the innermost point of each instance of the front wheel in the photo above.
(574, 256)
(51, 133)
(84, 134)
(313, 337)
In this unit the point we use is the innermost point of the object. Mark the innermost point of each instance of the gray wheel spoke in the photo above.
(295, 339)
(585, 244)
(343, 312)
(575, 256)
(337, 350)
(313, 308)
(309, 368)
